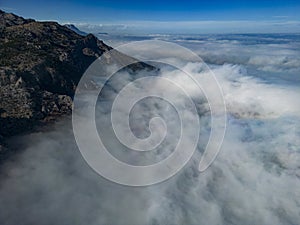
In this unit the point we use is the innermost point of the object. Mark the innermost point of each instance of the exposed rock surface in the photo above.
(40, 65)
(45, 55)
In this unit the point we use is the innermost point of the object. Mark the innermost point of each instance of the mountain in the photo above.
(75, 29)
(40, 66)
(44, 55)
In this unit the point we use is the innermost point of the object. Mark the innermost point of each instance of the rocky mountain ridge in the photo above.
(74, 28)
(40, 66)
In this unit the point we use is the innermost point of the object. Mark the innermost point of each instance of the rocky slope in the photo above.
(40, 66)
(75, 29)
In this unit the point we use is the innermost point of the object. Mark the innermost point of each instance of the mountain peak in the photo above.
(75, 29)
(10, 19)
(40, 66)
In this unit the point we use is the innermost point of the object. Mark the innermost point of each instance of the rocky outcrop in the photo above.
(40, 65)
(46, 55)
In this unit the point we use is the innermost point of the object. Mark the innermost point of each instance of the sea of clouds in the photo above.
(254, 180)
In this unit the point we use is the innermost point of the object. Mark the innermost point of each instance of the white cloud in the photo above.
(255, 179)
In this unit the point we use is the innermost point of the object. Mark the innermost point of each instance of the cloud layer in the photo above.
(254, 180)
(278, 25)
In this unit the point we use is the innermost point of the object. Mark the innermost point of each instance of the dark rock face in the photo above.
(40, 66)
(45, 55)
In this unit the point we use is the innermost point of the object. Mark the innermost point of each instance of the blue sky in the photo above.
(266, 15)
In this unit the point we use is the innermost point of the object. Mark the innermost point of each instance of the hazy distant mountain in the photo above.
(74, 28)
